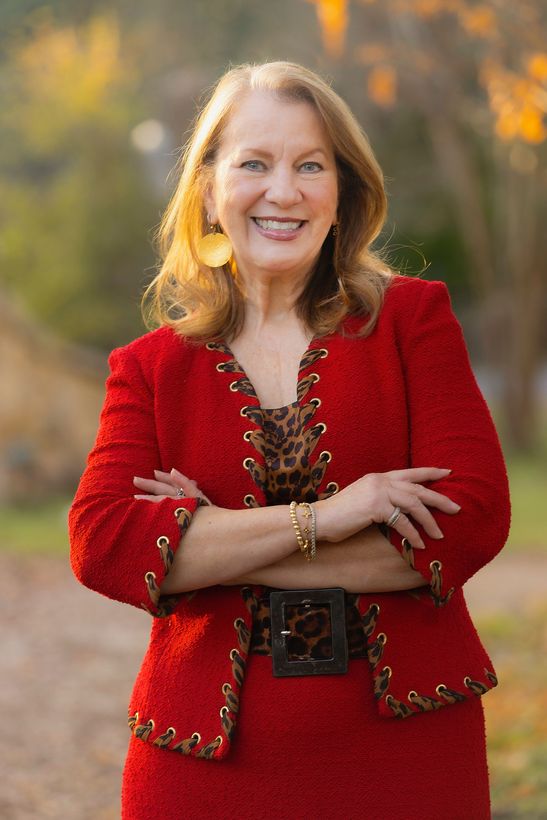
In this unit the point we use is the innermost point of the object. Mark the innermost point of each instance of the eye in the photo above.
(311, 167)
(253, 165)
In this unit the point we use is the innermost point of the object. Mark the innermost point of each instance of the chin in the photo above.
(277, 265)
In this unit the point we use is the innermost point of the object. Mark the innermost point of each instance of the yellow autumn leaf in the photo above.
(521, 88)
(333, 19)
(531, 126)
(507, 125)
(537, 66)
(74, 67)
(479, 21)
(498, 100)
(382, 85)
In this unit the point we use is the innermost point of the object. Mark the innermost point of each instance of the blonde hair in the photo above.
(349, 278)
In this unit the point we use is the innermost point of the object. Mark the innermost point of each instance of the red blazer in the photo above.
(403, 396)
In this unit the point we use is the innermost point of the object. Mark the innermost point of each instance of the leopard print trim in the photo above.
(165, 605)
(284, 438)
(143, 730)
(376, 650)
(369, 619)
(436, 581)
(418, 702)
(436, 585)
(228, 711)
(427, 703)
(184, 747)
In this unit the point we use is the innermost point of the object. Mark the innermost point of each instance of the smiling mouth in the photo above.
(278, 224)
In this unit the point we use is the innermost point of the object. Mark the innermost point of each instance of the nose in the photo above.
(283, 188)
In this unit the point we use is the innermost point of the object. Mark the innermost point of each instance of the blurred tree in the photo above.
(476, 72)
(94, 106)
(75, 210)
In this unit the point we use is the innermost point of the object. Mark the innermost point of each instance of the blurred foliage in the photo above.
(528, 480)
(75, 211)
(79, 199)
(516, 713)
(78, 77)
(502, 49)
(475, 76)
(452, 92)
(40, 529)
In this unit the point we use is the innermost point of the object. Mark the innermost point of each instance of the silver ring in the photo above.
(394, 517)
(180, 493)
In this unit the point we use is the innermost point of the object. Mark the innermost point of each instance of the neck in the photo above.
(270, 299)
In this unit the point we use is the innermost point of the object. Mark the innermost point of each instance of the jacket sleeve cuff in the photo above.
(438, 590)
(161, 561)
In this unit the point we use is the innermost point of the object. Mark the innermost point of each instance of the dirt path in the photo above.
(513, 582)
(67, 665)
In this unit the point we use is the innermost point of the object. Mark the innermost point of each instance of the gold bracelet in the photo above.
(310, 534)
(302, 542)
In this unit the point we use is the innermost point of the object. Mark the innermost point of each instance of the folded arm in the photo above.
(449, 423)
(365, 562)
(236, 547)
(121, 547)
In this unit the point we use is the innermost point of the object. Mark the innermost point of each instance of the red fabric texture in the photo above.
(115, 537)
(311, 748)
(449, 422)
(404, 396)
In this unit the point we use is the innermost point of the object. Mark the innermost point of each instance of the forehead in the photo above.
(262, 119)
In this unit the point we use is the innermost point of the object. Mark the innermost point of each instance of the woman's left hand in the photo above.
(167, 485)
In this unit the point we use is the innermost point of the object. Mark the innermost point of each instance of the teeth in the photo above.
(273, 225)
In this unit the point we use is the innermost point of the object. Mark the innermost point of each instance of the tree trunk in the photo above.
(526, 302)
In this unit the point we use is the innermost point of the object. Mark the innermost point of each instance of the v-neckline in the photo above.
(301, 366)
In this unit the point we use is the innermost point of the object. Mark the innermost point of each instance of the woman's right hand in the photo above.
(373, 499)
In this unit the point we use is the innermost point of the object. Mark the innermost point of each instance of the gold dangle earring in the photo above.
(214, 249)
(335, 229)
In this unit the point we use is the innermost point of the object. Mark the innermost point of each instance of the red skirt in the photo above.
(315, 747)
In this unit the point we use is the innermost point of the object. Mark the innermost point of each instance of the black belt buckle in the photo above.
(282, 602)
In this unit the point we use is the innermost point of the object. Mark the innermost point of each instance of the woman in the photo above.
(297, 464)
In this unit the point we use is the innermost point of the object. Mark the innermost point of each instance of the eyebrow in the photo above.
(260, 152)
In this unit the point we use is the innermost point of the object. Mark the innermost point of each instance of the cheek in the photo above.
(236, 194)
(325, 199)
(243, 195)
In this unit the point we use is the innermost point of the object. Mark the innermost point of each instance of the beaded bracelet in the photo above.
(302, 542)
(310, 552)
(307, 541)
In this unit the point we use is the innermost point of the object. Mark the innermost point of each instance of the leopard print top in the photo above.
(288, 473)
(288, 478)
